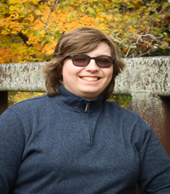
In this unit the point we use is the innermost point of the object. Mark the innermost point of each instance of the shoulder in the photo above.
(30, 104)
(122, 113)
(31, 100)
(29, 112)
(129, 123)
(30, 108)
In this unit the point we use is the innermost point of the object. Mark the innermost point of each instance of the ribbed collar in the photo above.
(77, 103)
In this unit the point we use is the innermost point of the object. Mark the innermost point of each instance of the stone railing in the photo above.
(147, 80)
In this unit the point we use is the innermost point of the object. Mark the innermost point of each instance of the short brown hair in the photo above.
(80, 40)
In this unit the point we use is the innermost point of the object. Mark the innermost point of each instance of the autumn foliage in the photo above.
(29, 29)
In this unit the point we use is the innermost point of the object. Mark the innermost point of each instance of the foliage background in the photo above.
(29, 29)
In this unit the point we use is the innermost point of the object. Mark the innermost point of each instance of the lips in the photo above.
(90, 78)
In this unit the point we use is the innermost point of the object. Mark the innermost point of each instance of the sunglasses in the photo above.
(81, 60)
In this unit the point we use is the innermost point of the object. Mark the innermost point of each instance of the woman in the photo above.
(73, 141)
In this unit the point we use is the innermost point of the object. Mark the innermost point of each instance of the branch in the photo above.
(166, 5)
(150, 36)
(129, 49)
(80, 2)
(115, 39)
(41, 20)
(140, 38)
(48, 17)
(148, 52)
(23, 37)
(54, 7)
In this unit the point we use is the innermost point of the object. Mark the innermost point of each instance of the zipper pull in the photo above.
(87, 107)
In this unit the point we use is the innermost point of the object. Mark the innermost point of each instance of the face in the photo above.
(90, 81)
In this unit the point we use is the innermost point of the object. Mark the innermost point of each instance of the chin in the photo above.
(89, 95)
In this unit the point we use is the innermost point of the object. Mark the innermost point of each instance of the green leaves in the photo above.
(91, 12)
(38, 33)
(96, 3)
(26, 27)
(46, 39)
(28, 6)
(29, 32)
(71, 15)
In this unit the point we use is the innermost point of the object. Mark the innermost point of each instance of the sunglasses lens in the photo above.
(80, 60)
(104, 62)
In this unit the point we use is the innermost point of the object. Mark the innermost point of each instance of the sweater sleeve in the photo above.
(154, 176)
(11, 149)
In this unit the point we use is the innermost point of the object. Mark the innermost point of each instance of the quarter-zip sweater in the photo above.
(55, 145)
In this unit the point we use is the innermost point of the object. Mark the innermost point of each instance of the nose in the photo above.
(92, 66)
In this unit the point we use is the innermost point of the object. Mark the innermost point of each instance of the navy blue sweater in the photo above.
(51, 145)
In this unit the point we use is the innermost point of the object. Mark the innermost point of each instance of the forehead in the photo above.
(102, 49)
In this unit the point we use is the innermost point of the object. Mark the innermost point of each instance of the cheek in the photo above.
(66, 70)
(110, 74)
(65, 74)
(69, 72)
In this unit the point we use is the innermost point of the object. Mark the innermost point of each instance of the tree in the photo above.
(30, 28)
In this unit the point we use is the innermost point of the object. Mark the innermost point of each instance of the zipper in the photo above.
(87, 106)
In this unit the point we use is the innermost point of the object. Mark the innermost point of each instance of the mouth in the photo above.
(91, 79)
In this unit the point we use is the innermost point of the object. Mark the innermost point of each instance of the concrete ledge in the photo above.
(145, 75)
(21, 77)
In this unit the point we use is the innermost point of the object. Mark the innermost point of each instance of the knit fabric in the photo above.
(51, 145)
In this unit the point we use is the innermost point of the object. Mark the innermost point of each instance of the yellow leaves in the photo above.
(36, 1)
(31, 18)
(38, 12)
(15, 27)
(12, 8)
(4, 32)
(36, 21)
(20, 96)
(49, 50)
(116, 19)
(19, 53)
(166, 39)
(132, 30)
(23, 1)
(165, 45)
(147, 12)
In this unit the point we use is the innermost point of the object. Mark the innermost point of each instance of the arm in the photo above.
(11, 149)
(154, 174)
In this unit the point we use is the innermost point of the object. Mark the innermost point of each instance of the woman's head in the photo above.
(81, 41)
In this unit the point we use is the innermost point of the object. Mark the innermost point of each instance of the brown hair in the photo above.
(80, 40)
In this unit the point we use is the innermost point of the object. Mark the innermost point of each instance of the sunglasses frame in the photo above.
(95, 58)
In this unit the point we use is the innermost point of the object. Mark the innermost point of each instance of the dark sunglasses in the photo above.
(81, 60)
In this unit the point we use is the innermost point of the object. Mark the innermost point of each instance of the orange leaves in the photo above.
(36, 26)
(125, 49)
(6, 56)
